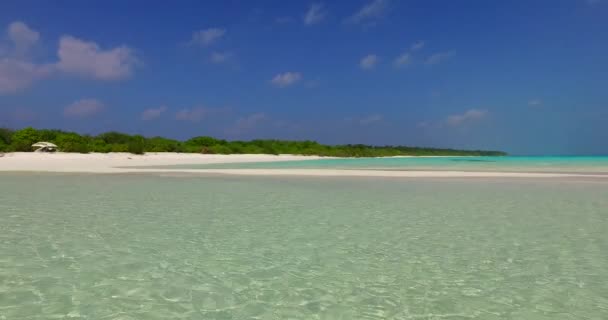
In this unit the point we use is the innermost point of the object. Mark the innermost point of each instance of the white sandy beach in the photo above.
(123, 163)
(112, 162)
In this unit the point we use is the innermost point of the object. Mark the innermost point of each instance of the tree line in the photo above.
(22, 140)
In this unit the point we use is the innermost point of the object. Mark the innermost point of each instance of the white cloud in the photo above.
(417, 45)
(153, 113)
(535, 102)
(368, 62)
(286, 79)
(16, 75)
(439, 57)
(22, 36)
(85, 58)
(16, 71)
(207, 37)
(371, 11)
(403, 60)
(220, 57)
(315, 14)
(76, 56)
(469, 116)
(83, 108)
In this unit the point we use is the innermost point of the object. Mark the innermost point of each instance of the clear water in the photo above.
(153, 247)
(507, 164)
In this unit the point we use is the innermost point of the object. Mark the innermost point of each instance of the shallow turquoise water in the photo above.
(152, 247)
(511, 164)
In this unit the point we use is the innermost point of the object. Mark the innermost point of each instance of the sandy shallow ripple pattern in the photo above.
(150, 247)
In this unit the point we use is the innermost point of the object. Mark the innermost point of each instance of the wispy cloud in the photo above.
(406, 58)
(439, 57)
(195, 114)
(86, 58)
(286, 79)
(16, 75)
(374, 118)
(417, 45)
(370, 12)
(368, 62)
(315, 14)
(454, 121)
(535, 102)
(469, 116)
(220, 57)
(22, 36)
(247, 123)
(207, 37)
(16, 71)
(403, 60)
(153, 113)
(83, 108)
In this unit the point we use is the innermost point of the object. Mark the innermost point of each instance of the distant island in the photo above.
(22, 140)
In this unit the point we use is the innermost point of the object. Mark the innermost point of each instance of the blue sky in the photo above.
(527, 77)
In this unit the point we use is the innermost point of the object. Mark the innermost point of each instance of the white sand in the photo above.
(116, 163)
(111, 162)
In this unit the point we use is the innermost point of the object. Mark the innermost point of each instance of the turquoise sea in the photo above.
(568, 164)
(146, 246)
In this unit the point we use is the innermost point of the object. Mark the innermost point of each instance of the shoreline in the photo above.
(126, 163)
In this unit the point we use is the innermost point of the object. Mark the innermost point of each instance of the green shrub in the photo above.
(160, 144)
(119, 148)
(5, 136)
(113, 137)
(22, 140)
(137, 145)
(72, 142)
(99, 145)
(221, 149)
(204, 141)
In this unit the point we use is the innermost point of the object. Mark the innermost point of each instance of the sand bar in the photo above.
(125, 163)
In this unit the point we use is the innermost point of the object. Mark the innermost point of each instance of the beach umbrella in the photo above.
(44, 146)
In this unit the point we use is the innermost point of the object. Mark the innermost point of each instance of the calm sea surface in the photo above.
(162, 247)
(506, 164)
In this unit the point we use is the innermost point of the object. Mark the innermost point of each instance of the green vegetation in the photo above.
(21, 140)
